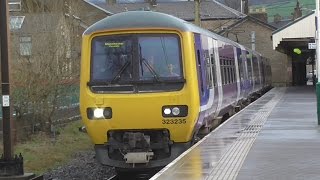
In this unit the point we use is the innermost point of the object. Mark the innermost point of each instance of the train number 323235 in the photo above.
(174, 121)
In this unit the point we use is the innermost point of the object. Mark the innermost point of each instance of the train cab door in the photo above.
(201, 71)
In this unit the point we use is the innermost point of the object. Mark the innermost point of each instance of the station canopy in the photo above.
(295, 35)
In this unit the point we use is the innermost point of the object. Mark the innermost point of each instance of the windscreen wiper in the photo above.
(145, 62)
(118, 75)
(153, 72)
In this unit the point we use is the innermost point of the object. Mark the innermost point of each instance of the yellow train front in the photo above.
(139, 89)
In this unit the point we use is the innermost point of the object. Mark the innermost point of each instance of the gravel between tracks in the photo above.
(83, 166)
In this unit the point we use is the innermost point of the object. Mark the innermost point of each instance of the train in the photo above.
(151, 85)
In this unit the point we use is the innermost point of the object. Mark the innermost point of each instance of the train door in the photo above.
(262, 67)
(218, 83)
(255, 71)
(237, 56)
(260, 70)
(210, 55)
(243, 68)
(250, 71)
(201, 69)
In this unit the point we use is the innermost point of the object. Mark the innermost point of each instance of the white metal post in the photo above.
(317, 39)
(318, 59)
(241, 6)
(253, 40)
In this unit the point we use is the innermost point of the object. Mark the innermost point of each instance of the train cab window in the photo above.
(160, 54)
(111, 58)
(136, 62)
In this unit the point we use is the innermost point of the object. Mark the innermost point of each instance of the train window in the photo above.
(205, 45)
(226, 52)
(110, 56)
(213, 69)
(229, 71)
(255, 69)
(233, 71)
(209, 72)
(137, 60)
(160, 54)
(225, 71)
(222, 71)
(249, 65)
(231, 74)
(199, 66)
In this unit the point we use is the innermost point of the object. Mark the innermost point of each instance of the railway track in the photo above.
(114, 177)
(133, 175)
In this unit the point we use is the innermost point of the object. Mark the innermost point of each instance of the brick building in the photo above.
(241, 32)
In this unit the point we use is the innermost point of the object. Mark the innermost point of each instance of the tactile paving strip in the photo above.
(229, 165)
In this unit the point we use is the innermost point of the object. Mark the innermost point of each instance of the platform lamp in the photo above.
(318, 58)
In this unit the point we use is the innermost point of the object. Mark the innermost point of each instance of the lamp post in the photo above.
(5, 85)
(11, 167)
(318, 58)
(197, 10)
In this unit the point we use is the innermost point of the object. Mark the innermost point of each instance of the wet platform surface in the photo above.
(276, 137)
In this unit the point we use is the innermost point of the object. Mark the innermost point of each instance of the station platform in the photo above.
(277, 137)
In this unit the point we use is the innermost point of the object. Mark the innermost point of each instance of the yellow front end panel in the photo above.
(142, 110)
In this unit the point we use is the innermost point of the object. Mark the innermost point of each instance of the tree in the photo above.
(42, 73)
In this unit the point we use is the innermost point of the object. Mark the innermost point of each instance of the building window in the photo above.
(25, 46)
(15, 22)
(14, 5)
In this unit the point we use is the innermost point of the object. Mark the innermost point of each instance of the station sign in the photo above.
(312, 46)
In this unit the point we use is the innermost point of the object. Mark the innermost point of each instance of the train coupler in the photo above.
(138, 157)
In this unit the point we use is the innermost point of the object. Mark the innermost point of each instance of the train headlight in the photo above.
(167, 111)
(99, 113)
(175, 111)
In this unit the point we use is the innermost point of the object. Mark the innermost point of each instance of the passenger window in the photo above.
(213, 69)
(209, 72)
(199, 66)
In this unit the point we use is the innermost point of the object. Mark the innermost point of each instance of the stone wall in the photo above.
(281, 64)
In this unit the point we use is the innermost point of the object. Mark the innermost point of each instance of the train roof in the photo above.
(150, 19)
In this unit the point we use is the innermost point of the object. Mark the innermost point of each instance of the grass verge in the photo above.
(42, 153)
